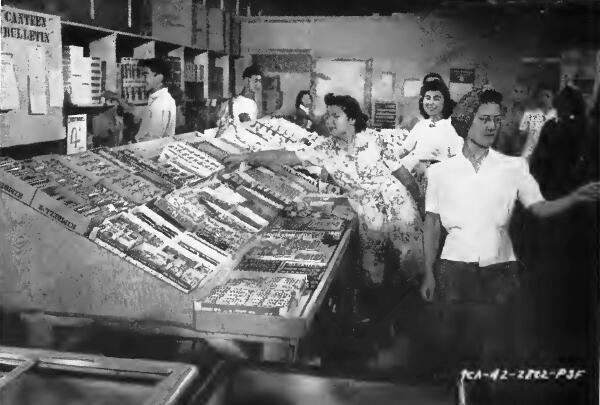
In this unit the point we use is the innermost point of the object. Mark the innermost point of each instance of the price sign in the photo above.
(76, 133)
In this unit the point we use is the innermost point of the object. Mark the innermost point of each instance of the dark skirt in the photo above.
(467, 282)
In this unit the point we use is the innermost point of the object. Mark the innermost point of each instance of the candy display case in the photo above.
(160, 231)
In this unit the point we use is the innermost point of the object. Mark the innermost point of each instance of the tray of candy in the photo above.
(271, 295)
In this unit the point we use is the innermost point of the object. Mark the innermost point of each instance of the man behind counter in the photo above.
(158, 118)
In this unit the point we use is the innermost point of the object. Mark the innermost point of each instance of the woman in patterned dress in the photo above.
(362, 163)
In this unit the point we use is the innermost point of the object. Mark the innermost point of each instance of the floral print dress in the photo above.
(387, 213)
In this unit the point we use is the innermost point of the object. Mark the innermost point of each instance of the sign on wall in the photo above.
(461, 82)
(384, 114)
(30, 112)
(76, 133)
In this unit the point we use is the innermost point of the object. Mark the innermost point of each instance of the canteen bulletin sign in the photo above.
(32, 93)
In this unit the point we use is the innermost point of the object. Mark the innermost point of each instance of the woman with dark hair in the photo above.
(473, 197)
(359, 163)
(304, 116)
(432, 139)
(554, 160)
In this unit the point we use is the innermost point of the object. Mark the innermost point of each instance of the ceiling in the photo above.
(387, 7)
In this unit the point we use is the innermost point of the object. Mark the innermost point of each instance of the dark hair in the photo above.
(350, 107)
(437, 85)
(252, 70)
(569, 101)
(432, 77)
(464, 113)
(543, 86)
(301, 95)
(158, 66)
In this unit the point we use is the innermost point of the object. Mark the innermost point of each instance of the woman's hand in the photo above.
(428, 287)
(234, 160)
(587, 193)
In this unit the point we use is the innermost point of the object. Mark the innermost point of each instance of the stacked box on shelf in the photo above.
(96, 80)
(133, 85)
(293, 250)
(275, 295)
(174, 78)
(193, 72)
(133, 187)
(77, 75)
(85, 98)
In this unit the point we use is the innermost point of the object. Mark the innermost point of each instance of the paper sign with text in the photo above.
(76, 134)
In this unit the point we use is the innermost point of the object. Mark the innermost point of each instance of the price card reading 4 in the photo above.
(76, 133)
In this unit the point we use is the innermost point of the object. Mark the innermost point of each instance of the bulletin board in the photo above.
(31, 82)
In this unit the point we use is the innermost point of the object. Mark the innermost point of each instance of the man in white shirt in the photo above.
(158, 118)
(472, 195)
(533, 120)
(243, 107)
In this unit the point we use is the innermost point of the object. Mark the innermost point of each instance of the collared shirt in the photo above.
(244, 109)
(430, 141)
(532, 123)
(158, 117)
(475, 207)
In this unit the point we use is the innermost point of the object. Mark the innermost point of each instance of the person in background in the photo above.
(561, 295)
(242, 108)
(472, 196)
(363, 167)
(431, 140)
(555, 159)
(108, 128)
(304, 116)
(533, 120)
(156, 119)
(509, 142)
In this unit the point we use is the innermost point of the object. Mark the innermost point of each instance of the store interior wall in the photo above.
(409, 46)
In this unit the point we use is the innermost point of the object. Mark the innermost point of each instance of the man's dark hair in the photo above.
(157, 66)
(252, 70)
(437, 85)
(300, 95)
(351, 108)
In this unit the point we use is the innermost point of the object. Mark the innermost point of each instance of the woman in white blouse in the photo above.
(432, 139)
(362, 162)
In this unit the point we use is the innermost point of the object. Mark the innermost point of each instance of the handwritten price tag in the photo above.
(76, 134)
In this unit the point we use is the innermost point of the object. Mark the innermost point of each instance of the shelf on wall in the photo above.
(91, 33)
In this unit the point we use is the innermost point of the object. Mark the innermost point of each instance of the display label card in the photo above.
(76, 134)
